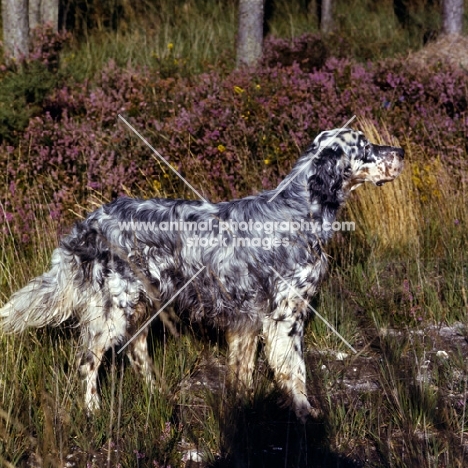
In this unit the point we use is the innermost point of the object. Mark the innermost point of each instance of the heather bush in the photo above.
(230, 134)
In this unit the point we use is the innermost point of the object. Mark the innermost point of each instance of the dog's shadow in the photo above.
(261, 433)
(254, 431)
(258, 430)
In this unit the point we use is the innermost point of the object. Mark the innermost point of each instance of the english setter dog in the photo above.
(247, 266)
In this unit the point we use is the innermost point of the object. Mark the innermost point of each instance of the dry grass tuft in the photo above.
(452, 50)
(389, 215)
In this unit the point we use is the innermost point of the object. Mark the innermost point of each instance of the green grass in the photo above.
(186, 37)
(395, 404)
(183, 38)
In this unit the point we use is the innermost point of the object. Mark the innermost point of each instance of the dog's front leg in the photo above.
(283, 334)
(241, 358)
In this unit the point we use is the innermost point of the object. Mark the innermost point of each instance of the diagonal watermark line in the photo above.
(158, 154)
(325, 144)
(160, 310)
(328, 324)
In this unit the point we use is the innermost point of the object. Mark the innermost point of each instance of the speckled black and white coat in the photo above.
(106, 275)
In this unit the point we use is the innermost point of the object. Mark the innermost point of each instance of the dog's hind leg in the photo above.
(103, 329)
(89, 368)
(241, 357)
(283, 334)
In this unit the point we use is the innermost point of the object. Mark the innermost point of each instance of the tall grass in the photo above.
(389, 215)
(183, 37)
(187, 36)
(395, 285)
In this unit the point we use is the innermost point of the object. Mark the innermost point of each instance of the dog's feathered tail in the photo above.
(46, 300)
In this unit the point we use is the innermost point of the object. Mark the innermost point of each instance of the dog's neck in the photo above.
(313, 192)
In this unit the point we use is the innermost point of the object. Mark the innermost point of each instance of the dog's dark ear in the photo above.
(325, 183)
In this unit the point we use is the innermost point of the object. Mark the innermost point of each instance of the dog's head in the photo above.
(348, 156)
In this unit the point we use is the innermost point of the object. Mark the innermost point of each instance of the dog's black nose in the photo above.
(400, 152)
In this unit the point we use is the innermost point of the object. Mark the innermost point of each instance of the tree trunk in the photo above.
(15, 29)
(452, 16)
(326, 16)
(43, 12)
(250, 33)
(34, 13)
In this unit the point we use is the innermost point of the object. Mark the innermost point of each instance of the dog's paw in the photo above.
(305, 411)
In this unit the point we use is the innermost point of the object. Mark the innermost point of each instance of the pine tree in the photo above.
(326, 16)
(452, 16)
(250, 32)
(15, 28)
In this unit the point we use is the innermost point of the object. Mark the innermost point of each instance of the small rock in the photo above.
(192, 455)
(341, 356)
